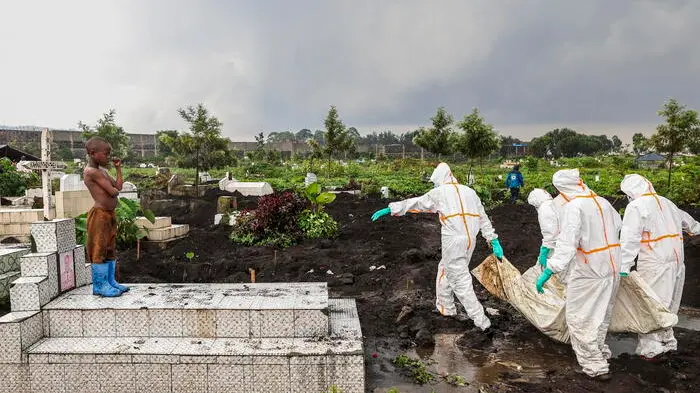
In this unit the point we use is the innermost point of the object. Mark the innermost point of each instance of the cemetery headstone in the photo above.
(204, 177)
(129, 191)
(72, 182)
(175, 180)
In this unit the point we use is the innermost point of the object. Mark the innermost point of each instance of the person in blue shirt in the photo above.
(514, 181)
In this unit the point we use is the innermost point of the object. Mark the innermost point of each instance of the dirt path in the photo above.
(409, 248)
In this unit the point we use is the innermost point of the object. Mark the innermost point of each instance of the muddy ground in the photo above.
(409, 248)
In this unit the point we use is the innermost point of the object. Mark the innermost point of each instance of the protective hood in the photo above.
(537, 197)
(569, 183)
(442, 175)
(636, 185)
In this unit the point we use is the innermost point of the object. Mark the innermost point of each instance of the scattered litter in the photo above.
(492, 311)
(371, 268)
(512, 365)
(310, 271)
(381, 267)
(405, 310)
(329, 272)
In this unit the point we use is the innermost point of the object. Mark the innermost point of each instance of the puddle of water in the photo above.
(510, 363)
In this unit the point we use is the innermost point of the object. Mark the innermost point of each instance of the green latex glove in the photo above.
(623, 274)
(546, 274)
(379, 213)
(544, 252)
(497, 249)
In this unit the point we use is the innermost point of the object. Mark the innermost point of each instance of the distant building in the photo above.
(651, 161)
(143, 145)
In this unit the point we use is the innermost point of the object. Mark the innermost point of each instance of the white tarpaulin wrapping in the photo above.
(637, 309)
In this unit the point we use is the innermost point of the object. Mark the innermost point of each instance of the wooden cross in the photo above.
(45, 166)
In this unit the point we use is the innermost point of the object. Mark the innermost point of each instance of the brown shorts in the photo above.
(101, 235)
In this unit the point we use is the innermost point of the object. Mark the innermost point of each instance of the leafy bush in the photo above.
(317, 225)
(273, 223)
(127, 232)
(12, 182)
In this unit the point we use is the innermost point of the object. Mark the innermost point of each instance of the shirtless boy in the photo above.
(101, 219)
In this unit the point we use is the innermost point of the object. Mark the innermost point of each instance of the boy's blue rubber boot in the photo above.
(100, 286)
(111, 279)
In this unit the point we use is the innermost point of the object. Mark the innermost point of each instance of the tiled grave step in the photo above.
(40, 264)
(194, 310)
(160, 222)
(10, 259)
(30, 293)
(6, 280)
(83, 270)
(160, 364)
(19, 331)
(168, 233)
(54, 236)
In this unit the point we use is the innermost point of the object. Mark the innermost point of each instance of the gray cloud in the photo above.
(275, 65)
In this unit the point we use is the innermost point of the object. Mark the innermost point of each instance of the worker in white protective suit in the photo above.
(588, 240)
(462, 217)
(548, 220)
(652, 229)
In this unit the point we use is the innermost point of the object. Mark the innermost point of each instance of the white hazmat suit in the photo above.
(588, 240)
(546, 216)
(653, 230)
(462, 217)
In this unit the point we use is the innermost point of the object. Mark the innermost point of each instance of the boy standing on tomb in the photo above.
(101, 219)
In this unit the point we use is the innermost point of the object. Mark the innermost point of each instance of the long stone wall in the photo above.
(145, 145)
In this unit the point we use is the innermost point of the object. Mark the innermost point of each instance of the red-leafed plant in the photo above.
(273, 223)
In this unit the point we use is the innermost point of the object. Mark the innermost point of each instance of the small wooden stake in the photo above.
(138, 249)
(252, 275)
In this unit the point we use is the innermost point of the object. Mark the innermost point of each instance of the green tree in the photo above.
(437, 138)
(673, 137)
(539, 147)
(108, 129)
(479, 139)
(304, 134)
(337, 138)
(163, 149)
(12, 182)
(640, 144)
(202, 147)
(616, 143)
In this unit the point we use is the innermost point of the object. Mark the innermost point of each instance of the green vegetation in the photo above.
(13, 182)
(415, 368)
(127, 230)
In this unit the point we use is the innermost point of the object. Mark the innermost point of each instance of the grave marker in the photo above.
(129, 191)
(66, 271)
(46, 167)
(72, 182)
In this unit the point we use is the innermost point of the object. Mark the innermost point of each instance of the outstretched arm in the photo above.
(689, 224)
(421, 204)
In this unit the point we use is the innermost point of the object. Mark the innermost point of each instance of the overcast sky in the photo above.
(598, 66)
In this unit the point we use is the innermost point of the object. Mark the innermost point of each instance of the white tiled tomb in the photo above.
(286, 337)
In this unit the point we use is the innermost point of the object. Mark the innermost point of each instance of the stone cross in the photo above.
(45, 166)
